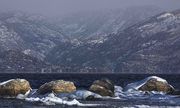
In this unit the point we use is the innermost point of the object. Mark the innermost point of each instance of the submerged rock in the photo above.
(152, 83)
(104, 87)
(58, 86)
(14, 87)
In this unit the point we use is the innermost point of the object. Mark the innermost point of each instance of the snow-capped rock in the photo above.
(152, 83)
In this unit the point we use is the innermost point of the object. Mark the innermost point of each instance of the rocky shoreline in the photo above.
(65, 92)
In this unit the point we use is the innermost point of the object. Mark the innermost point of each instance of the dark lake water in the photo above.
(83, 81)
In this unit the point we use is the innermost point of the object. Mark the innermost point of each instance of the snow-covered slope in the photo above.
(31, 34)
(16, 61)
(102, 23)
(150, 46)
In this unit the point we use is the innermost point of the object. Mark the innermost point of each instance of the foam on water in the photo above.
(51, 99)
(23, 96)
(153, 106)
(72, 98)
(130, 92)
(84, 94)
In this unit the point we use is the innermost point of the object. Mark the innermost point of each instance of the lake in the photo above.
(83, 81)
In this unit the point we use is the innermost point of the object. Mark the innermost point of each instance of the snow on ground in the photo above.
(166, 15)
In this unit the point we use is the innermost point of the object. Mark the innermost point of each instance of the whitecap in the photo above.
(84, 94)
(52, 99)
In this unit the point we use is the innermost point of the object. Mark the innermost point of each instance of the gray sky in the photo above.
(60, 7)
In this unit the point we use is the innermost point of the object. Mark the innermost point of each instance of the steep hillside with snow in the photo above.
(31, 34)
(16, 61)
(150, 46)
(97, 24)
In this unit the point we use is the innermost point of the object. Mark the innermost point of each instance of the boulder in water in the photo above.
(58, 86)
(14, 87)
(152, 83)
(103, 87)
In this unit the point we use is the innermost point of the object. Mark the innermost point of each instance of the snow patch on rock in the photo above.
(5, 82)
(137, 85)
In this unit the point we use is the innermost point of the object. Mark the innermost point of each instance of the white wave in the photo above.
(51, 99)
(23, 96)
(148, 96)
(137, 94)
(71, 99)
(130, 92)
(152, 106)
(84, 94)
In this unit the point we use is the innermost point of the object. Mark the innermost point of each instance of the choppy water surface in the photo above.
(133, 99)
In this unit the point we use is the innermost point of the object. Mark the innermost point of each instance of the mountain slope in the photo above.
(102, 23)
(15, 61)
(151, 46)
(31, 34)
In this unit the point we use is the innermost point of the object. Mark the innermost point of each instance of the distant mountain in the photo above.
(28, 33)
(149, 46)
(16, 61)
(135, 40)
(97, 24)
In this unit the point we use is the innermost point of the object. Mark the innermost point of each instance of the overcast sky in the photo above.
(60, 7)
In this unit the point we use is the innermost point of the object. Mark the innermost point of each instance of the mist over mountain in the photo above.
(98, 24)
(137, 39)
(150, 46)
(63, 7)
(16, 61)
(31, 34)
